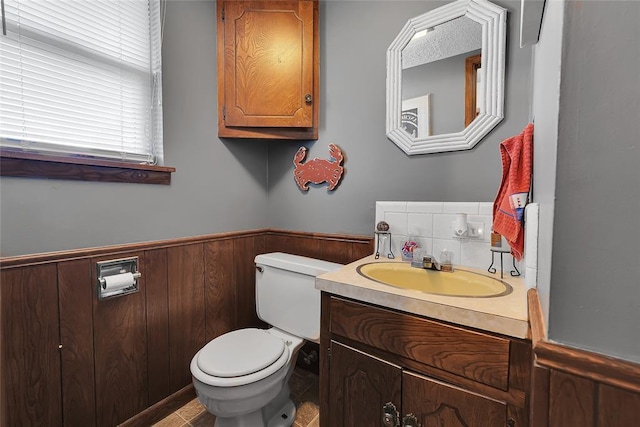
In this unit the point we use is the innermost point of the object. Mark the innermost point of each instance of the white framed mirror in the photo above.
(426, 114)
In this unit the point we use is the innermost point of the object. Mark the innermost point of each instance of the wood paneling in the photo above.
(122, 355)
(186, 310)
(598, 367)
(157, 302)
(30, 372)
(539, 397)
(342, 249)
(120, 340)
(220, 291)
(245, 250)
(570, 400)
(76, 336)
(573, 387)
(617, 407)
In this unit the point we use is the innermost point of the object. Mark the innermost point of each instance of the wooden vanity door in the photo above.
(437, 404)
(360, 385)
(269, 63)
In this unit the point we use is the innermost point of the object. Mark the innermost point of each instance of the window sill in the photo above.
(32, 165)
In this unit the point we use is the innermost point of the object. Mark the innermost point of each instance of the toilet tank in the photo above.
(286, 296)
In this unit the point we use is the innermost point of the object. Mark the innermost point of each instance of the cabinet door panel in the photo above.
(268, 63)
(437, 404)
(360, 385)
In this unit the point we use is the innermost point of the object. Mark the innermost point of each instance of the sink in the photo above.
(460, 283)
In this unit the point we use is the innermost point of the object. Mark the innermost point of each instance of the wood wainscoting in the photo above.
(67, 358)
(572, 387)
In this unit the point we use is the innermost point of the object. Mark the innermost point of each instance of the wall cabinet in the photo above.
(268, 69)
(391, 368)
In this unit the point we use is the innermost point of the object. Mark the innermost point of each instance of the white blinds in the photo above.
(82, 78)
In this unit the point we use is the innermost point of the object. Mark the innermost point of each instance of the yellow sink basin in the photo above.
(460, 283)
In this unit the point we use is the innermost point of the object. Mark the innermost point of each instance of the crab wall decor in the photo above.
(317, 171)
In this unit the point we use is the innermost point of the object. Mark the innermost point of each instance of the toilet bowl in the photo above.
(242, 376)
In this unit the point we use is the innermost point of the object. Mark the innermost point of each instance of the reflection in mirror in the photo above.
(427, 79)
(472, 96)
(433, 63)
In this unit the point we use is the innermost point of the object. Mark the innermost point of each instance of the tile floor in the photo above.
(304, 391)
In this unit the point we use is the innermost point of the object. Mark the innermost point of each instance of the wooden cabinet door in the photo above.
(268, 63)
(437, 404)
(268, 69)
(360, 385)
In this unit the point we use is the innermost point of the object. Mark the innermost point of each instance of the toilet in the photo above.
(242, 376)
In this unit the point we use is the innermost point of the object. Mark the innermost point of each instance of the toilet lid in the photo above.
(240, 352)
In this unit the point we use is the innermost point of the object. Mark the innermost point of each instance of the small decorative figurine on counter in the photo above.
(382, 235)
(317, 171)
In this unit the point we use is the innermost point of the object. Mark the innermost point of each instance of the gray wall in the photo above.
(354, 37)
(217, 186)
(595, 274)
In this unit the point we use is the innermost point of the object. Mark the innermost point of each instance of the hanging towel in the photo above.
(513, 194)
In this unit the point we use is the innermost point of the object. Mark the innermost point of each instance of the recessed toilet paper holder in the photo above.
(117, 277)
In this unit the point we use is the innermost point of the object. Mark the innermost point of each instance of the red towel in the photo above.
(513, 195)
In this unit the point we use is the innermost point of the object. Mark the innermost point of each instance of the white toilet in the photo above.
(242, 376)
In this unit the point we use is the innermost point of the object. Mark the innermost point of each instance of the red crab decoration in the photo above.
(317, 171)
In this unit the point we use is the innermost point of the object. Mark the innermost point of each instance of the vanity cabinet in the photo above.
(268, 69)
(389, 368)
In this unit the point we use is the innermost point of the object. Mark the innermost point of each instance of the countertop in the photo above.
(505, 315)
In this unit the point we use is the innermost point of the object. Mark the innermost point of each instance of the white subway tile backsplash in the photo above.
(393, 206)
(485, 221)
(419, 224)
(425, 207)
(460, 207)
(431, 224)
(475, 254)
(442, 226)
(397, 222)
(486, 209)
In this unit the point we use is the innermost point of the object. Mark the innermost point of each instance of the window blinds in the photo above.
(82, 78)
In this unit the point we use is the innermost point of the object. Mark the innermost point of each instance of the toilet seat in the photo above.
(240, 357)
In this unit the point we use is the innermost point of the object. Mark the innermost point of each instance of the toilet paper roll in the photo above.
(118, 282)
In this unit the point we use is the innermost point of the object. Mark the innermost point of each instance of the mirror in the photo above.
(445, 78)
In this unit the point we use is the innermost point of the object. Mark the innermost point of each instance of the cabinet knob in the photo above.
(308, 99)
(390, 415)
(410, 420)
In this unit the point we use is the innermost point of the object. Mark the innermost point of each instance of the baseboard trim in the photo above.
(162, 409)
